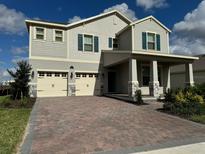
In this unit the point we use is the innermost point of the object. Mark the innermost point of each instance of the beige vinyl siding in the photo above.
(103, 28)
(150, 26)
(125, 40)
(48, 47)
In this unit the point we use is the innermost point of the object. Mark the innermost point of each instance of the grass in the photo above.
(12, 125)
(198, 118)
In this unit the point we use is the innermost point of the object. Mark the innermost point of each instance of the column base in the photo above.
(132, 87)
(71, 89)
(154, 88)
(189, 84)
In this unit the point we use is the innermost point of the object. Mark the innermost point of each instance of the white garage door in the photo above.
(87, 84)
(51, 84)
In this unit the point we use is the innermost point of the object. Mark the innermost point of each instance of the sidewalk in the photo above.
(197, 148)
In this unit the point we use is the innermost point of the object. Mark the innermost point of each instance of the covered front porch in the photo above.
(125, 72)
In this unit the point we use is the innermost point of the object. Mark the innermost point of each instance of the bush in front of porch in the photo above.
(186, 102)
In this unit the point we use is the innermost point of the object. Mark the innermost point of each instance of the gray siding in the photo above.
(48, 47)
(125, 40)
(103, 28)
(150, 26)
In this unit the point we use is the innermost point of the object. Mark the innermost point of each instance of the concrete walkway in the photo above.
(197, 148)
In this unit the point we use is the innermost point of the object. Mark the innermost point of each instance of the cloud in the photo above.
(59, 9)
(151, 4)
(4, 75)
(19, 50)
(188, 34)
(18, 58)
(124, 9)
(74, 19)
(11, 21)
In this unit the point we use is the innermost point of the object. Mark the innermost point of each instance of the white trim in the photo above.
(62, 59)
(78, 22)
(51, 70)
(143, 19)
(133, 37)
(67, 44)
(30, 37)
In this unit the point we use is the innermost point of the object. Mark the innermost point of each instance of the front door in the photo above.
(111, 82)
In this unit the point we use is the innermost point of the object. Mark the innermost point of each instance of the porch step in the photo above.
(125, 97)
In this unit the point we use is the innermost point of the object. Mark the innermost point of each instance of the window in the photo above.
(151, 41)
(49, 74)
(90, 75)
(57, 74)
(96, 75)
(58, 36)
(64, 74)
(78, 75)
(40, 33)
(84, 75)
(88, 43)
(115, 43)
(41, 74)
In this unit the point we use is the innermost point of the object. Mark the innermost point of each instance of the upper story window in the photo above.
(112, 43)
(40, 33)
(58, 35)
(88, 43)
(151, 41)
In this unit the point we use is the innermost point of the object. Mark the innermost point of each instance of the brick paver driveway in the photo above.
(77, 125)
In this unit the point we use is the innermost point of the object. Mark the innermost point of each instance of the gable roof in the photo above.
(153, 18)
(78, 22)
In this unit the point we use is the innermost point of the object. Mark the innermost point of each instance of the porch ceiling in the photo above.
(113, 57)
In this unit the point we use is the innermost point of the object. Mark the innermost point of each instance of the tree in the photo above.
(21, 76)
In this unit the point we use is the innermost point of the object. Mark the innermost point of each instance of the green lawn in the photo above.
(12, 126)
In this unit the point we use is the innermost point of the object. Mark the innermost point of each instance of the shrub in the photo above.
(20, 87)
(24, 101)
(138, 97)
(169, 99)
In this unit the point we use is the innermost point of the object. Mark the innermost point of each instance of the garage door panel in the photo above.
(51, 86)
(87, 86)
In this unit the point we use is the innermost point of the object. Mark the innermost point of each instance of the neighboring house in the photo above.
(103, 54)
(178, 73)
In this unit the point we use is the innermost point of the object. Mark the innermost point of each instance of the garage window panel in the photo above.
(64, 74)
(57, 74)
(78, 75)
(84, 75)
(41, 74)
(90, 75)
(49, 74)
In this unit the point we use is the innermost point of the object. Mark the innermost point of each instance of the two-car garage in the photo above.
(56, 84)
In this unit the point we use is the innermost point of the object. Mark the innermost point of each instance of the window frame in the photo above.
(54, 35)
(91, 51)
(35, 33)
(155, 44)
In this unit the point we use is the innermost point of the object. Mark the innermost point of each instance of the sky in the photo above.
(186, 19)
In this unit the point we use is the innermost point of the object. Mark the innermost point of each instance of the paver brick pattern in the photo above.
(75, 125)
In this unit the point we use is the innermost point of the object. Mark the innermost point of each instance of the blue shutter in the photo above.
(158, 42)
(96, 44)
(144, 40)
(110, 42)
(80, 42)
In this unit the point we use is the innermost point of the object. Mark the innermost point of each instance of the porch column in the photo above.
(154, 83)
(166, 79)
(133, 84)
(189, 78)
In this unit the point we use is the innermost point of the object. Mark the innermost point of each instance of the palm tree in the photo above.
(21, 76)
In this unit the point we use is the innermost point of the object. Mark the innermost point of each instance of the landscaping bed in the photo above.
(14, 115)
(188, 103)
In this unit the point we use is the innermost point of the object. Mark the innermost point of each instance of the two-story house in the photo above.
(103, 54)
